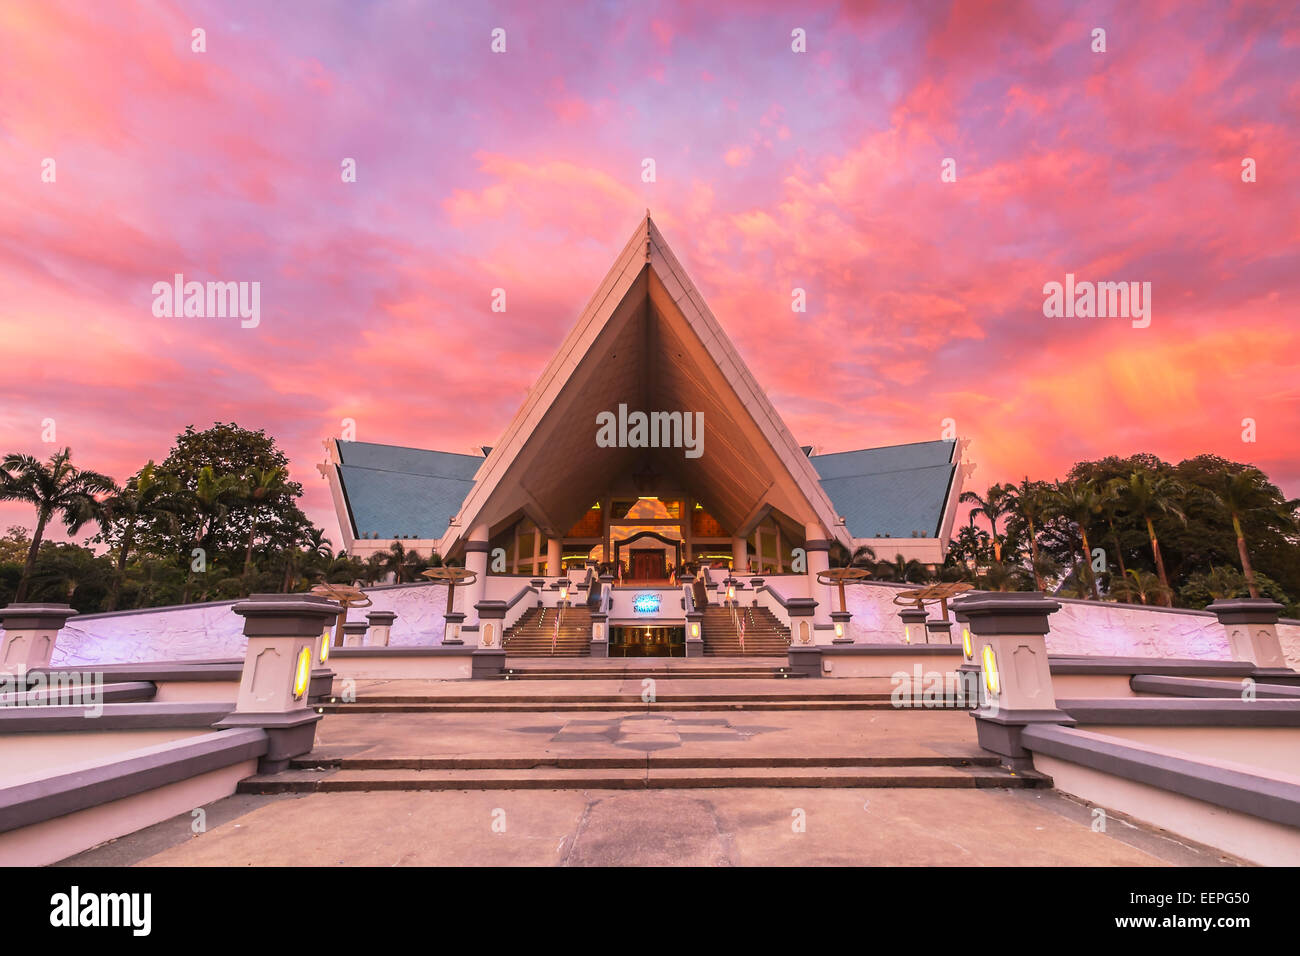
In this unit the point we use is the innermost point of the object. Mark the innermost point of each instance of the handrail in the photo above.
(775, 594)
(522, 591)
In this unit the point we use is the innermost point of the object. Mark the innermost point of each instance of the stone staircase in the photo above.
(765, 636)
(532, 635)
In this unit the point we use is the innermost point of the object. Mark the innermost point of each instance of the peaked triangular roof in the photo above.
(646, 339)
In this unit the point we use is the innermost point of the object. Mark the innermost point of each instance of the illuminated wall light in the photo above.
(302, 675)
(907, 634)
(965, 643)
(839, 629)
(564, 594)
(695, 629)
(325, 647)
(991, 670)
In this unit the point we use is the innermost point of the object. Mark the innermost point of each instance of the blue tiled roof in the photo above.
(393, 491)
(897, 491)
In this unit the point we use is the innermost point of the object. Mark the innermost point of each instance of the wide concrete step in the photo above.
(641, 675)
(628, 762)
(637, 705)
(642, 778)
(629, 697)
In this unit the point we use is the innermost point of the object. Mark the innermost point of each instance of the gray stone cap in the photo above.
(35, 615)
(167, 715)
(1246, 611)
(381, 617)
(1184, 712)
(800, 607)
(842, 616)
(913, 615)
(126, 774)
(454, 617)
(1248, 792)
(1010, 612)
(286, 615)
(938, 625)
(355, 627)
(491, 610)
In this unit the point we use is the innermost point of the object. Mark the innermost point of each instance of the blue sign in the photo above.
(646, 604)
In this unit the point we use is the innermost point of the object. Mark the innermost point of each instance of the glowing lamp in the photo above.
(839, 629)
(965, 643)
(564, 592)
(302, 674)
(907, 634)
(695, 629)
(991, 670)
(731, 593)
(325, 646)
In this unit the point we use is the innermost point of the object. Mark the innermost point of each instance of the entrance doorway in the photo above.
(647, 641)
(647, 564)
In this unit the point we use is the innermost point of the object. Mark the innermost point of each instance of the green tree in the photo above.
(56, 488)
(1031, 502)
(992, 505)
(1145, 495)
(1248, 492)
(1080, 502)
(144, 500)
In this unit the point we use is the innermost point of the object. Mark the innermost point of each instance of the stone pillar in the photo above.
(1008, 634)
(695, 634)
(455, 620)
(554, 552)
(476, 560)
(489, 658)
(938, 632)
(914, 619)
(739, 555)
(354, 633)
(804, 654)
(968, 671)
(538, 584)
(30, 633)
(283, 631)
(1251, 626)
(381, 624)
(818, 549)
(755, 583)
(599, 634)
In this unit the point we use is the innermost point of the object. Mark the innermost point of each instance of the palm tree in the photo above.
(209, 499)
(1030, 500)
(261, 487)
(1146, 494)
(1248, 493)
(859, 557)
(57, 488)
(1139, 584)
(993, 505)
(309, 545)
(146, 498)
(900, 569)
(1079, 501)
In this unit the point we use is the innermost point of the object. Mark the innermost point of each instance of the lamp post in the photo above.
(453, 576)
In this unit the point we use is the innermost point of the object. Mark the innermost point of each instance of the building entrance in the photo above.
(647, 642)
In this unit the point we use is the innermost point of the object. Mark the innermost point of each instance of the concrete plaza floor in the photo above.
(563, 821)
(727, 827)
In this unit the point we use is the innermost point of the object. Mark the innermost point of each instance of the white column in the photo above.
(739, 555)
(476, 560)
(817, 544)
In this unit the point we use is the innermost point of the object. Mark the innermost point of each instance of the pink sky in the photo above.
(775, 170)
